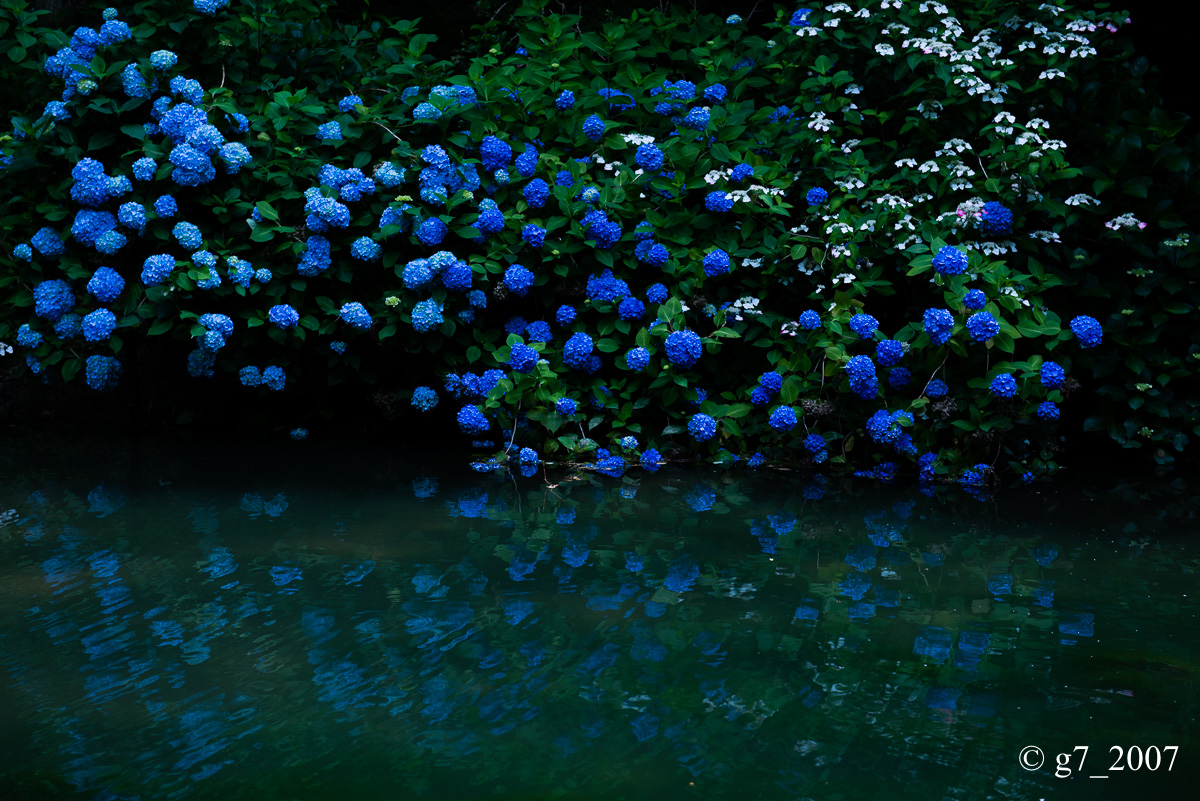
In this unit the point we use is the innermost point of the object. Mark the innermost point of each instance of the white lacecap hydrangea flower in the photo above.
(1083, 52)
(929, 109)
(1045, 236)
(832, 23)
(930, 166)
(638, 139)
(818, 121)
(789, 329)
(755, 263)
(1054, 48)
(892, 4)
(885, 49)
(862, 13)
(853, 89)
(1028, 137)
(1051, 74)
(1081, 200)
(906, 163)
(837, 8)
(5, 349)
(1126, 220)
(684, 307)
(868, 225)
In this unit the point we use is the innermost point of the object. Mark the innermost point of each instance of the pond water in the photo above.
(219, 621)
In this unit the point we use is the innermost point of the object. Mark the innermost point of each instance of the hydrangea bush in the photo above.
(595, 237)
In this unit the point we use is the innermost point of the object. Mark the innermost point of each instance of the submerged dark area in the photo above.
(209, 620)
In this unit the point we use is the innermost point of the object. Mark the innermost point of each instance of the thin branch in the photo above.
(389, 130)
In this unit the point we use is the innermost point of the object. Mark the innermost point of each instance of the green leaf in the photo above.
(267, 210)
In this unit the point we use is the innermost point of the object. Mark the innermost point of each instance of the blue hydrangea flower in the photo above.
(563, 178)
(330, 131)
(637, 358)
(1087, 330)
(102, 372)
(1004, 385)
(772, 382)
(427, 315)
(696, 119)
(716, 263)
(1047, 411)
(431, 232)
(355, 315)
(165, 206)
(283, 315)
(132, 215)
(426, 111)
(99, 325)
(809, 320)
(52, 299)
(250, 376)
(187, 235)
(518, 279)
(657, 293)
(939, 324)
(565, 315)
(800, 18)
(816, 196)
(732, 19)
(974, 300)
(741, 172)
(23, 252)
(366, 249)
(28, 338)
(862, 376)
(718, 201)
(347, 103)
(683, 348)
(995, 220)
(814, 443)
(783, 418)
(1052, 375)
(950, 261)
(536, 192)
(649, 157)
(899, 378)
(577, 350)
(565, 406)
(144, 169)
(114, 31)
(471, 421)
(47, 242)
(68, 326)
(535, 235)
(527, 456)
(156, 269)
(937, 388)
(864, 325)
(565, 100)
(888, 352)
(163, 60)
(523, 358)
(631, 309)
(495, 152)
(982, 326)
(274, 378)
(702, 427)
(593, 128)
(761, 396)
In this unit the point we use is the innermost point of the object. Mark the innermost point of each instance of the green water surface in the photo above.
(298, 623)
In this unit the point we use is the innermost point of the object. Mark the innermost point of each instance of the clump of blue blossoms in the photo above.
(716, 263)
(593, 128)
(426, 315)
(995, 220)
(950, 261)
(939, 324)
(163, 60)
(809, 320)
(565, 99)
(102, 372)
(283, 315)
(274, 378)
(683, 348)
(99, 325)
(28, 338)
(523, 358)
(355, 315)
(1052, 375)
(1004, 385)
(1047, 411)
(982, 326)
(424, 398)
(649, 157)
(471, 421)
(156, 269)
(330, 131)
(862, 376)
(52, 299)
(718, 201)
(637, 358)
(864, 325)
(702, 427)
(536, 192)
(816, 196)
(347, 103)
(577, 351)
(783, 418)
(565, 406)
(518, 279)
(889, 352)
(937, 388)
(974, 300)
(1087, 330)
(366, 249)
